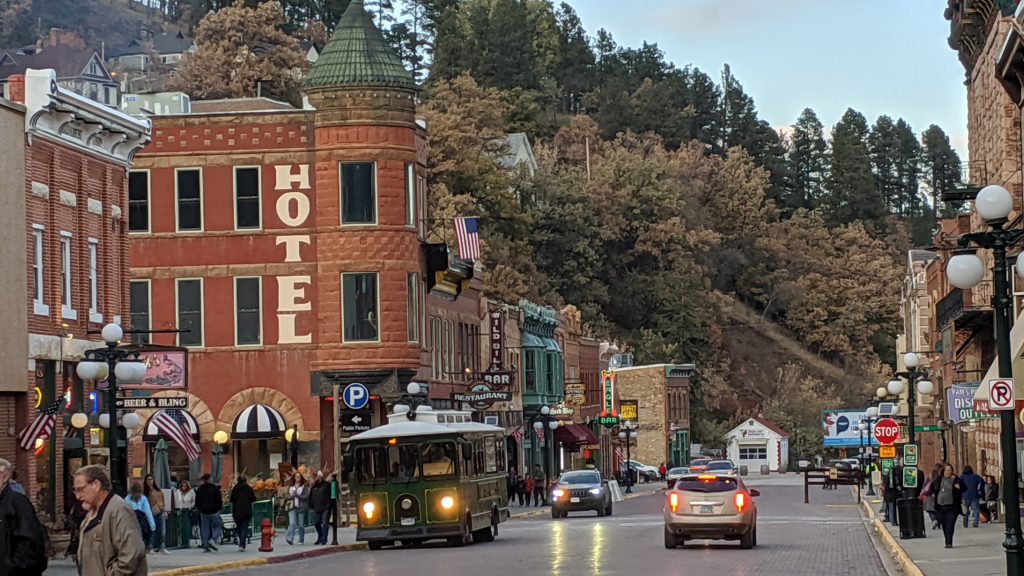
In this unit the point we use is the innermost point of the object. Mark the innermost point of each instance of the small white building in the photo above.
(757, 442)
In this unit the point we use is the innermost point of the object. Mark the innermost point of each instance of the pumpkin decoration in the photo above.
(260, 485)
(303, 470)
(271, 484)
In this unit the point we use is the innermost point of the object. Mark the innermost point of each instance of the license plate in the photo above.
(574, 500)
(408, 521)
(707, 509)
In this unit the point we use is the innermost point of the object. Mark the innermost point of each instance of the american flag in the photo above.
(540, 433)
(619, 456)
(171, 423)
(467, 233)
(518, 435)
(41, 427)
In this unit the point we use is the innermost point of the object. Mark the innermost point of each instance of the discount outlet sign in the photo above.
(887, 431)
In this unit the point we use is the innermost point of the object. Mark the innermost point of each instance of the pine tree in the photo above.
(908, 163)
(382, 12)
(942, 169)
(738, 116)
(852, 192)
(808, 163)
(882, 147)
(702, 97)
(574, 71)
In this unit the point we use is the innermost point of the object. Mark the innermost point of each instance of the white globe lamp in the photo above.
(881, 392)
(79, 420)
(911, 360)
(112, 333)
(553, 424)
(926, 387)
(104, 420)
(413, 388)
(993, 203)
(872, 412)
(895, 387)
(130, 420)
(965, 270)
(87, 370)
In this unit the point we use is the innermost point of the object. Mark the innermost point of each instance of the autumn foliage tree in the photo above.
(243, 52)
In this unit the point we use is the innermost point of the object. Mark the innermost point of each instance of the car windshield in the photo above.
(679, 471)
(721, 465)
(707, 484)
(580, 478)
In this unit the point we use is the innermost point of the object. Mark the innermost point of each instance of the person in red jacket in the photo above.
(662, 471)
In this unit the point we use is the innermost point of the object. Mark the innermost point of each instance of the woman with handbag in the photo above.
(928, 495)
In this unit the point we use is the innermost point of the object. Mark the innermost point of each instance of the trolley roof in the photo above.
(428, 422)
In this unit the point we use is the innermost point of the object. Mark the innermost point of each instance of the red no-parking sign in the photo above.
(1000, 394)
(887, 431)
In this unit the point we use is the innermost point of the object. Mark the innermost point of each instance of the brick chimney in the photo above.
(55, 36)
(16, 88)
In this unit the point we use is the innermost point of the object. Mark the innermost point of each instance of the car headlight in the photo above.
(368, 510)
(558, 493)
(595, 491)
(447, 502)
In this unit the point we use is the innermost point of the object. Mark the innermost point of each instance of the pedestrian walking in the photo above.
(140, 505)
(242, 498)
(22, 536)
(539, 482)
(948, 500)
(928, 494)
(528, 488)
(183, 497)
(662, 471)
(521, 489)
(299, 492)
(511, 478)
(974, 491)
(110, 542)
(209, 503)
(992, 498)
(158, 543)
(889, 496)
(320, 502)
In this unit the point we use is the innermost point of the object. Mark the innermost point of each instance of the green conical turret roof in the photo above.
(358, 55)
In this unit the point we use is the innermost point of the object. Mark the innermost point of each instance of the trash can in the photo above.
(910, 515)
(743, 469)
(764, 469)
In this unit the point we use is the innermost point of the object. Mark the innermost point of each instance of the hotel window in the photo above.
(360, 313)
(189, 193)
(94, 282)
(247, 198)
(358, 193)
(247, 312)
(138, 294)
(138, 201)
(66, 311)
(410, 195)
(38, 304)
(190, 312)
(413, 304)
(435, 347)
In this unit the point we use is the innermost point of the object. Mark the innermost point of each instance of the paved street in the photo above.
(824, 537)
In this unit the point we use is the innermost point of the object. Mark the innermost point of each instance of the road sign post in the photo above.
(887, 452)
(887, 431)
(910, 455)
(356, 396)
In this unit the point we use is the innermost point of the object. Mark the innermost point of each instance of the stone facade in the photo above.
(652, 386)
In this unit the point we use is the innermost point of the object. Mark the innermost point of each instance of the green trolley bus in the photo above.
(428, 474)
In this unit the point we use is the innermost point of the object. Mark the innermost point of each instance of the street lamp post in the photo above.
(112, 364)
(918, 383)
(628, 433)
(869, 420)
(965, 270)
(544, 419)
(943, 426)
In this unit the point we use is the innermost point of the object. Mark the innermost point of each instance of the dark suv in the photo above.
(581, 490)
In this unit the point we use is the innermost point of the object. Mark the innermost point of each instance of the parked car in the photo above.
(645, 473)
(722, 467)
(699, 464)
(675, 474)
(581, 490)
(710, 506)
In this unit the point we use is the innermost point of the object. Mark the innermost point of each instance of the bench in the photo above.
(230, 529)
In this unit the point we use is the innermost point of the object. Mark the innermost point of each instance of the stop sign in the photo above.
(887, 431)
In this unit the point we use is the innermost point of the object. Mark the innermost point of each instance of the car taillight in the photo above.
(741, 501)
(673, 501)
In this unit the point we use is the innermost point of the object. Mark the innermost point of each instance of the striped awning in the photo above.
(258, 421)
(153, 434)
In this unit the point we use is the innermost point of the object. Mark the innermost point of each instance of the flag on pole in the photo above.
(41, 427)
(171, 423)
(619, 457)
(467, 233)
(518, 435)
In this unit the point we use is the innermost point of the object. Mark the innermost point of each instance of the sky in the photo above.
(875, 56)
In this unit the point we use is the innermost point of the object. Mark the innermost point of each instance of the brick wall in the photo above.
(647, 384)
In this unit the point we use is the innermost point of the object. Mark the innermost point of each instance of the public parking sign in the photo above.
(1000, 394)
(887, 431)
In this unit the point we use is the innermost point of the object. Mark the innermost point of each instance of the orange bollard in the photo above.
(267, 540)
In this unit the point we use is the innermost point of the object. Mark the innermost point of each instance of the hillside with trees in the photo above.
(678, 220)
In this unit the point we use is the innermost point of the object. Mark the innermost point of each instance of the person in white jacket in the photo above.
(299, 491)
(184, 497)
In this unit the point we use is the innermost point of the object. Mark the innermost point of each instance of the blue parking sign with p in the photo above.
(356, 396)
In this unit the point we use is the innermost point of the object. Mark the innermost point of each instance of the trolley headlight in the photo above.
(447, 503)
(368, 509)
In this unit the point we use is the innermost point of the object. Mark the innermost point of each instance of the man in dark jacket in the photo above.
(974, 491)
(242, 498)
(22, 537)
(209, 504)
(320, 501)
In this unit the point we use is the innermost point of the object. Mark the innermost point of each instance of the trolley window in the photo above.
(438, 459)
(404, 462)
(490, 455)
(372, 465)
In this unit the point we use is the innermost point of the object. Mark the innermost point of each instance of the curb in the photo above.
(900, 556)
(545, 510)
(262, 561)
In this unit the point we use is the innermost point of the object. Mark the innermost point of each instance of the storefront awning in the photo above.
(152, 432)
(258, 422)
(1016, 343)
(573, 434)
(552, 345)
(531, 341)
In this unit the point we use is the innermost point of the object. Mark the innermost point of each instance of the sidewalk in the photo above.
(195, 561)
(976, 551)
